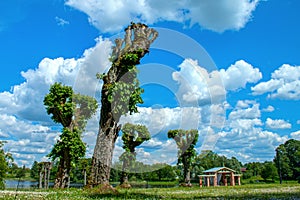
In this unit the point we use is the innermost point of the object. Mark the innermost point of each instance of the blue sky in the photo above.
(229, 68)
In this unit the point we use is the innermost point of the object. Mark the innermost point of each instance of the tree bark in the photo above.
(186, 171)
(84, 177)
(41, 177)
(62, 177)
(109, 128)
(102, 158)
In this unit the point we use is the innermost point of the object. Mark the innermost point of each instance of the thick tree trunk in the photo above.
(124, 176)
(102, 158)
(62, 177)
(186, 171)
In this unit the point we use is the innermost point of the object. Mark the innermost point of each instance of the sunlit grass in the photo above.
(257, 191)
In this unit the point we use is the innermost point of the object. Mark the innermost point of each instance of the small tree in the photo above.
(72, 111)
(186, 141)
(3, 166)
(34, 171)
(133, 136)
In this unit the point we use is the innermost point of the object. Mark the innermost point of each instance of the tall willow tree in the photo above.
(132, 136)
(71, 111)
(120, 94)
(186, 141)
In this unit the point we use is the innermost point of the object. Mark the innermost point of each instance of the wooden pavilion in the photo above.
(219, 176)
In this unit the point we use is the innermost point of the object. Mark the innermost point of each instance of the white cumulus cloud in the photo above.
(239, 74)
(296, 135)
(23, 118)
(216, 15)
(277, 124)
(243, 136)
(269, 109)
(284, 84)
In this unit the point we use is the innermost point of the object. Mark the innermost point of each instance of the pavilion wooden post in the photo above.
(239, 180)
(216, 179)
(224, 179)
(207, 181)
(200, 181)
(232, 180)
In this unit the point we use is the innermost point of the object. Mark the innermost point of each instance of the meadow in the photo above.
(251, 191)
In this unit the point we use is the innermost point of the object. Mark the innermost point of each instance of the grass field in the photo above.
(255, 191)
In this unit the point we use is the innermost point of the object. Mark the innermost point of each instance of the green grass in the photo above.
(253, 191)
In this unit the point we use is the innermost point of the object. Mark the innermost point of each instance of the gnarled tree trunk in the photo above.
(62, 177)
(137, 40)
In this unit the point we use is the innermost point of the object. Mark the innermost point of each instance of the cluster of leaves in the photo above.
(124, 97)
(70, 143)
(59, 104)
(134, 135)
(124, 94)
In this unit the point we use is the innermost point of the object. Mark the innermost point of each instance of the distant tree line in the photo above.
(286, 165)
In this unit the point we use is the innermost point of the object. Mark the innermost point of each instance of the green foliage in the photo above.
(287, 159)
(134, 135)
(254, 169)
(85, 107)
(124, 94)
(130, 59)
(186, 141)
(34, 171)
(83, 164)
(208, 159)
(3, 166)
(59, 104)
(145, 172)
(269, 171)
(124, 97)
(70, 145)
(21, 172)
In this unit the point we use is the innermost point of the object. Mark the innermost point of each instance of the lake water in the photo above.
(22, 184)
(32, 184)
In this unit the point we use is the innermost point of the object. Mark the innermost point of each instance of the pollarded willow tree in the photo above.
(186, 141)
(71, 111)
(132, 136)
(120, 94)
